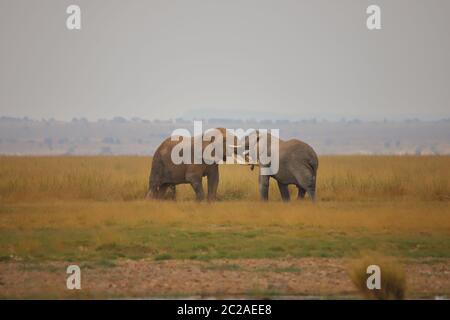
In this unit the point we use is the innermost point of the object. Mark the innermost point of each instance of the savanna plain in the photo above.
(90, 211)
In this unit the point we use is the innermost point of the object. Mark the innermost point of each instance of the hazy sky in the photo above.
(225, 58)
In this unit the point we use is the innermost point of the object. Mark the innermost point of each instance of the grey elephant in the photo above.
(165, 174)
(298, 164)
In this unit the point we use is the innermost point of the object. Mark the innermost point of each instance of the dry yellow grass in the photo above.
(386, 217)
(340, 178)
(98, 201)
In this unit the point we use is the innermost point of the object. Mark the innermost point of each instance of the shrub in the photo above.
(393, 283)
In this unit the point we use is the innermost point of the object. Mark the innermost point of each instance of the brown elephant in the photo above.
(165, 174)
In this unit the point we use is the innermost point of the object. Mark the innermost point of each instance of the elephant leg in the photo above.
(196, 183)
(264, 187)
(306, 182)
(173, 191)
(301, 192)
(162, 191)
(213, 182)
(284, 191)
(153, 193)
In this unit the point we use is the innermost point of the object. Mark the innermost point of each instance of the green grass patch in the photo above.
(84, 232)
(176, 243)
(163, 256)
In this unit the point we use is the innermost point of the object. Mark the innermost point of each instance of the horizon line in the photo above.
(260, 120)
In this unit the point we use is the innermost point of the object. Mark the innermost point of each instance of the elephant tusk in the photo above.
(240, 159)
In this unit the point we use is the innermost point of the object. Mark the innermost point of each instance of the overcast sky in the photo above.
(225, 58)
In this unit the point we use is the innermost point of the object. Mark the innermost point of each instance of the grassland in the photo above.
(340, 178)
(90, 211)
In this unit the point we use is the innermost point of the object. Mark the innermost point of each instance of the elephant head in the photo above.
(223, 139)
(261, 149)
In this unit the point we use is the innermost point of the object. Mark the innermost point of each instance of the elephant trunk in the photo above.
(154, 180)
(153, 187)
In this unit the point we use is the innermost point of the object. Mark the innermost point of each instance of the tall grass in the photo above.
(340, 178)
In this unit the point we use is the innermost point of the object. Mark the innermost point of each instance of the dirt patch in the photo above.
(219, 278)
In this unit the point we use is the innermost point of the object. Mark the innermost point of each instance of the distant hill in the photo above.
(121, 136)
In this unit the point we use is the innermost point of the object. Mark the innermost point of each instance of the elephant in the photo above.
(165, 174)
(298, 164)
